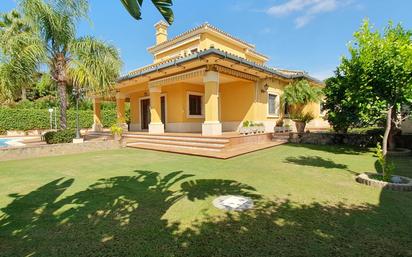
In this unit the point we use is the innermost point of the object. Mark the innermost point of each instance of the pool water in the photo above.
(3, 142)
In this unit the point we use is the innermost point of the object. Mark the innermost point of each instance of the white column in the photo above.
(211, 125)
(156, 126)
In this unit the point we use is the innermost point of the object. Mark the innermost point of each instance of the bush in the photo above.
(60, 137)
(29, 119)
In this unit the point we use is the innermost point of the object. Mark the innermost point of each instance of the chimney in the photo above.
(161, 32)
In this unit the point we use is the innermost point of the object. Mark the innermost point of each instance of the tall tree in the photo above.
(163, 6)
(346, 107)
(382, 62)
(81, 62)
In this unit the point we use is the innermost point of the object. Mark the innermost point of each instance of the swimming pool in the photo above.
(3, 142)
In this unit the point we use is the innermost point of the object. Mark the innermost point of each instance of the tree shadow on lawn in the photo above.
(335, 149)
(123, 216)
(317, 161)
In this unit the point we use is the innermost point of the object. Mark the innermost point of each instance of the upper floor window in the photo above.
(193, 51)
(273, 104)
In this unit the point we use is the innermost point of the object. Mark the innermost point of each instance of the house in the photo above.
(205, 81)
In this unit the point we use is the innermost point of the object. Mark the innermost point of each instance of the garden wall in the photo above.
(329, 138)
(34, 119)
(54, 150)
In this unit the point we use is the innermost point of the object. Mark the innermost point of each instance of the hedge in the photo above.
(60, 136)
(30, 119)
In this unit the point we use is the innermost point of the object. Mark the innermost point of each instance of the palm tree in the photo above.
(21, 52)
(164, 7)
(81, 62)
(298, 94)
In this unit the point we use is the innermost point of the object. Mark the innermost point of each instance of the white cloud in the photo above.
(306, 10)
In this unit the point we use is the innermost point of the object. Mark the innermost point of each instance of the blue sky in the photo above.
(310, 35)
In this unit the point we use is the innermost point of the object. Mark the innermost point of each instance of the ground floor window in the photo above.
(273, 104)
(195, 105)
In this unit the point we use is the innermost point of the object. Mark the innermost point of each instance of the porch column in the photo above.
(212, 125)
(134, 113)
(97, 122)
(156, 126)
(120, 107)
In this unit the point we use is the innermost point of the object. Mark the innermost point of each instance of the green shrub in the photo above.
(29, 119)
(387, 167)
(116, 130)
(60, 136)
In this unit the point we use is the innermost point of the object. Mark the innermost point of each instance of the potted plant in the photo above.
(297, 95)
(117, 132)
(301, 121)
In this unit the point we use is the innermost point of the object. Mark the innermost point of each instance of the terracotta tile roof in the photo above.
(287, 74)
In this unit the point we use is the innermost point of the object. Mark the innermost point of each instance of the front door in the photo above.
(145, 113)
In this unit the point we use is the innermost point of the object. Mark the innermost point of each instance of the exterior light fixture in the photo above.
(265, 88)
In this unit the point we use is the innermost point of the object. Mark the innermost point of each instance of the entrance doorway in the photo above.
(145, 112)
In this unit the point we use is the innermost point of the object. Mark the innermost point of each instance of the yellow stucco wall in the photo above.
(238, 101)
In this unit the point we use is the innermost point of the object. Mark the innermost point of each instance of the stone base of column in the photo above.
(135, 127)
(213, 128)
(97, 127)
(156, 128)
(124, 126)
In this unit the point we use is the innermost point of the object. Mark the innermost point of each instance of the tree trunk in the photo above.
(23, 93)
(387, 131)
(63, 104)
(59, 74)
(391, 138)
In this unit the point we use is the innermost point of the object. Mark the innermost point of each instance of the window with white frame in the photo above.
(194, 105)
(273, 104)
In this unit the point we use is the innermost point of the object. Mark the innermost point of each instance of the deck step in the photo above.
(178, 138)
(162, 147)
(188, 143)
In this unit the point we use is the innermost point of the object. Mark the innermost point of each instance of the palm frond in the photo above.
(95, 65)
(163, 6)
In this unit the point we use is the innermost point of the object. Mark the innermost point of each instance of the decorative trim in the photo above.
(236, 73)
(155, 89)
(177, 78)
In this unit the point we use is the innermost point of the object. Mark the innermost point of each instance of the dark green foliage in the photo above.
(60, 136)
(28, 119)
(163, 6)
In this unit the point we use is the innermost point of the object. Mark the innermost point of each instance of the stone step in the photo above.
(188, 143)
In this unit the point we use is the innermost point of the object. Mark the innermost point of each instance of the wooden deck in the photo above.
(227, 145)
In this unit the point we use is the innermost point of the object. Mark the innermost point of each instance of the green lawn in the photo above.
(141, 203)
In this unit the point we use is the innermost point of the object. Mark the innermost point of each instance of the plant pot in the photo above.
(117, 137)
(300, 126)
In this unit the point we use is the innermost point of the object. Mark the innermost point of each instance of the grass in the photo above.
(141, 203)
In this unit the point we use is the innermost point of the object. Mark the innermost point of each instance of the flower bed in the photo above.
(370, 179)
